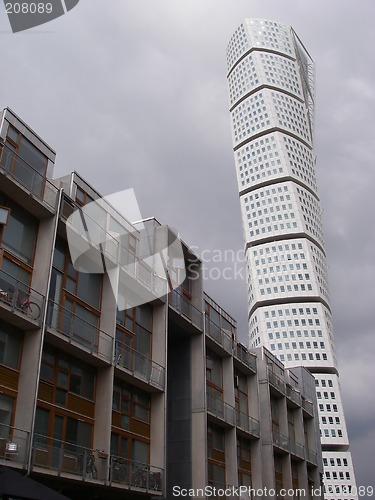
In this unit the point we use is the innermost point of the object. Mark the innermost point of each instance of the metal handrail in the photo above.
(79, 330)
(247, 423)
(37, 184)
(21, 297)
(135, 474)
(219, 335)
(184, 306)
(139, 364)
(14, 445)
(219, 408)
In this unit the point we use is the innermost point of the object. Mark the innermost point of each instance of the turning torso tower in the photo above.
(271, 87)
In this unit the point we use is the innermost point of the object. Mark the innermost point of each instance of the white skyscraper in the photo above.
(271, 86)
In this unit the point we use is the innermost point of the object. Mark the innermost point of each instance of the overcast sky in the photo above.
(133, 94)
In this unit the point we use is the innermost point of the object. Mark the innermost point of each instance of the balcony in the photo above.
(247, 424)
(14, 446)
(296, 449)
(308, 406)
(219, 335)
(276, 382)
(311, 456)
(71, 461)
(135, 475)
(293, 394)
(139, 365)
(185, 308)
(17, 297)
(245, 357)
(79, 332)
(15, 168)
(220, 409)
(281, 441)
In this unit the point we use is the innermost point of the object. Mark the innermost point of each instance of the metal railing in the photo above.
(293, 394)
(280, 440)
(184, 306)
(135, 474)
(311, 456)
(221, 409)
(243, 355)
(276, 382)
(14, 445)
(12, 165)
(308, 406)
(247, 423)
(80, 331)
(219, 335)
(69, 458)
(139, 364)
(296, 448)
(21, 297)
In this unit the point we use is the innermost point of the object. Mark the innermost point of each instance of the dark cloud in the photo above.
(134, 94)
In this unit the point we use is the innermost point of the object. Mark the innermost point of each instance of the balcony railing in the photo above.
(243, 355)
(221, 409)
(311, 456)
(296, 448)
(276, 382)
(293, 394)
(308, 406)
(69, 458)
(15, 167)
(14, 446)
(21, 297)
(247, 423)
(80, 331)
(184, 307)
(134, 474)
(280, 440)
(139, 365)
(219, 335)
(93, 465)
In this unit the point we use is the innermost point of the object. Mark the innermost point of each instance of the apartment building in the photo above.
(271, 78)
(148, 400)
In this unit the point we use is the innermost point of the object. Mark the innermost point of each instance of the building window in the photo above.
(10, 344)
(216, 455)
(25, 162)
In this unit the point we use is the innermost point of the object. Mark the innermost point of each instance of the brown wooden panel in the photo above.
(218, 455)
(45, 392)
(8, 378)
(116, 419)
(41, 457)
(139, 427)
(80, 405)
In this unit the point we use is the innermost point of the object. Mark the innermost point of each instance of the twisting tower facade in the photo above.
(271, 86)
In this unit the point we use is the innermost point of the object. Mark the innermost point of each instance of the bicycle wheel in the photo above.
(33, 310)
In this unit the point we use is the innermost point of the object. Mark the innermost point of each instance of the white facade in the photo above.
(271, 87)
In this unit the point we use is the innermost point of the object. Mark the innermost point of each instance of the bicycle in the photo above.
(91, 469)
(25, 305)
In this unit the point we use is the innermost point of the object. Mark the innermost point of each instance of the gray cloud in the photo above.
(133, 94)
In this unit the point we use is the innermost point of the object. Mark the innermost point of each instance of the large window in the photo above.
(131, 418)
(67, 375)
(6, 415)
(133, 338)
(10, 344)
(244, 461)
(216, 455)
(214, 383)
(24, 161)
(74, 299)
